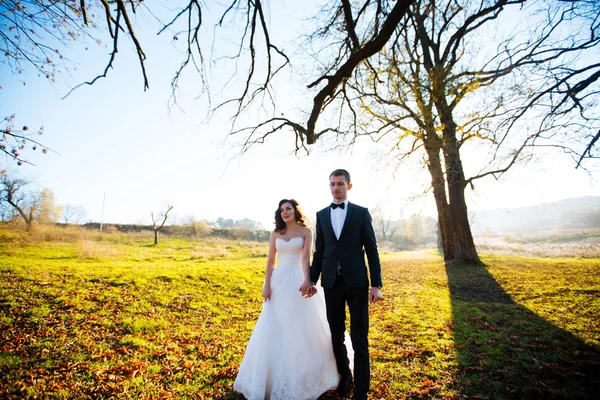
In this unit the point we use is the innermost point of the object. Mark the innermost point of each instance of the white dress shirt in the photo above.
(338, 216)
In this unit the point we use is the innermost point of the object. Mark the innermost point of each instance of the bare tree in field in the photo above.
(69, 212)
(72, 213)
(384, 227)
(14, 193)
(437, 88)
(155, 224)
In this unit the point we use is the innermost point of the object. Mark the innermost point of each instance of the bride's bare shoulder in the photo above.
(275, 234)
(306, 231)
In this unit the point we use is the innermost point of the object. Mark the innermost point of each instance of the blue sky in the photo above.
(114, 138)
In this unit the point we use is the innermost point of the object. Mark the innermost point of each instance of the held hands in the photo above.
(375, 295)
(308, 289)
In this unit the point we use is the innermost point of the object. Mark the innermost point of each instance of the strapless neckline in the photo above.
(295, 237)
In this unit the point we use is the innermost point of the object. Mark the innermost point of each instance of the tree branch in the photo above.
(345, 71)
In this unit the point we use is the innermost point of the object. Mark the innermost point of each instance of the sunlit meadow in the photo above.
(97, 315)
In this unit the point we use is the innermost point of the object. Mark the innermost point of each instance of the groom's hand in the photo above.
(305, 289)
(375, 295)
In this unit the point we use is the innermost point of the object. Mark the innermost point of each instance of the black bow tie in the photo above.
(341, 205)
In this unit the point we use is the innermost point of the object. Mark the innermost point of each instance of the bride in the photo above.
(289, 355)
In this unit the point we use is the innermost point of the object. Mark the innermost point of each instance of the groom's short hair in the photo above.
(340, 172)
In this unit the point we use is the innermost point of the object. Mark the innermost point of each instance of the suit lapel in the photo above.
(349, 216)
(327, 217)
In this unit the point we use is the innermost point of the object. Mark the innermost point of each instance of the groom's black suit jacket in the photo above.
(356, 239)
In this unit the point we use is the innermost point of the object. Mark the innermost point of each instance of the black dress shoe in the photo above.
(343, 389)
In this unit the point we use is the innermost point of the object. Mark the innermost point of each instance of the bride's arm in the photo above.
(306, 252)
(266, 293)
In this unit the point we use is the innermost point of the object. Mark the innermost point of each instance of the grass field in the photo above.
(111, 316)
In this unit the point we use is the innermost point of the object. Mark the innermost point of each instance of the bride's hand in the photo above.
(307, 289)
(266, 293)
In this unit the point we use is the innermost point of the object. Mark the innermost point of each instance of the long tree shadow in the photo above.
(505, 350)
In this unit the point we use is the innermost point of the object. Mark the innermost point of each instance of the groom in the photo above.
(344, 234)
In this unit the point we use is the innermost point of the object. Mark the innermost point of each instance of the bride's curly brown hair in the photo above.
(280, 224)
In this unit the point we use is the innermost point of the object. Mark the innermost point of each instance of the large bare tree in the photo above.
(450, 76)
(455, 72)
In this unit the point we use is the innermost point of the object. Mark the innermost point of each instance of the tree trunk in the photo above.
(456, 230)
(27, 218)
(440, 240)
(158, 227)
(433, 147)
(454, 223)
(460, 234)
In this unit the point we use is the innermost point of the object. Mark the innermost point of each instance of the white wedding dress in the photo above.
(289, 355)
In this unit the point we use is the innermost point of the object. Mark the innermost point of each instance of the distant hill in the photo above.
(580, 212)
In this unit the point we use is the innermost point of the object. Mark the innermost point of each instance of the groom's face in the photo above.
(339, 188)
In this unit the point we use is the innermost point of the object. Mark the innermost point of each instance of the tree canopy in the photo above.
(34, 33)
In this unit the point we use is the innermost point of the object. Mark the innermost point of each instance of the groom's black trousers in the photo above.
(357, 299)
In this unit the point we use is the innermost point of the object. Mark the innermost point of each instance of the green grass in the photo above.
(110, 315)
